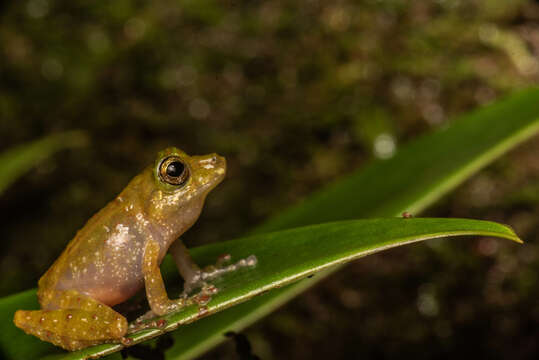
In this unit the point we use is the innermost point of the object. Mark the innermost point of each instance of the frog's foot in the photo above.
(73, 329)
(148, 321)
(145, 322)
(200, 277)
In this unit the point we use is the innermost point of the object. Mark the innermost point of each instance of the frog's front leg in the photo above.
(191, 273)
(188, 269)
(79, 321)
(160, 304)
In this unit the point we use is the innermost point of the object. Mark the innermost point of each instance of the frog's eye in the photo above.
(173, 171)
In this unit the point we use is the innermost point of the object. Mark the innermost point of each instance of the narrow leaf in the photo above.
(290, 255)
(18, 160)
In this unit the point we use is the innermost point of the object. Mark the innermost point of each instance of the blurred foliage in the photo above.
(17, 161)
(294, 94)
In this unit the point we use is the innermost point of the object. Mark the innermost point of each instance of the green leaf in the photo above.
(290, 255)
(418, 175)
(424, 170)
(414, 178)
(18, 160)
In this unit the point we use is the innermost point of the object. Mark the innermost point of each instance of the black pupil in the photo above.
(175, 169)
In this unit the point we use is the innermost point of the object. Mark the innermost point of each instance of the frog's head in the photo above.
(176, 173)
(182, 183)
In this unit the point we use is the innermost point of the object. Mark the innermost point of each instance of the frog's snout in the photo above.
(214, 167)
(213, 162)
(219, 161)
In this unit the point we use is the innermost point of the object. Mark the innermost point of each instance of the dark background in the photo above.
(294, 94)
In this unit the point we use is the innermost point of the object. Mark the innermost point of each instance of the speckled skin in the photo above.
(118, 252)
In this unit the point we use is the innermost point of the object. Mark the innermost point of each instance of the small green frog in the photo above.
(119, 251)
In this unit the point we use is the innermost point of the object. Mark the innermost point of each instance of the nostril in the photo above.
(214, 159)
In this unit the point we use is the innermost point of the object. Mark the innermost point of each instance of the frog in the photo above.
(119, 251)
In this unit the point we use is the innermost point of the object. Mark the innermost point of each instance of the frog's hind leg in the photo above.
(79, 322)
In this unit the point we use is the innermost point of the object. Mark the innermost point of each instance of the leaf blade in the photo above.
(302, 252)
(423, 170)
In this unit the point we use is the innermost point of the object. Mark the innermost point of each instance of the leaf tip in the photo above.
(513, 236)
(517, 239)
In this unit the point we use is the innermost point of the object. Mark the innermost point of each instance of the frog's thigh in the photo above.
(80, 322)
(153, 281)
